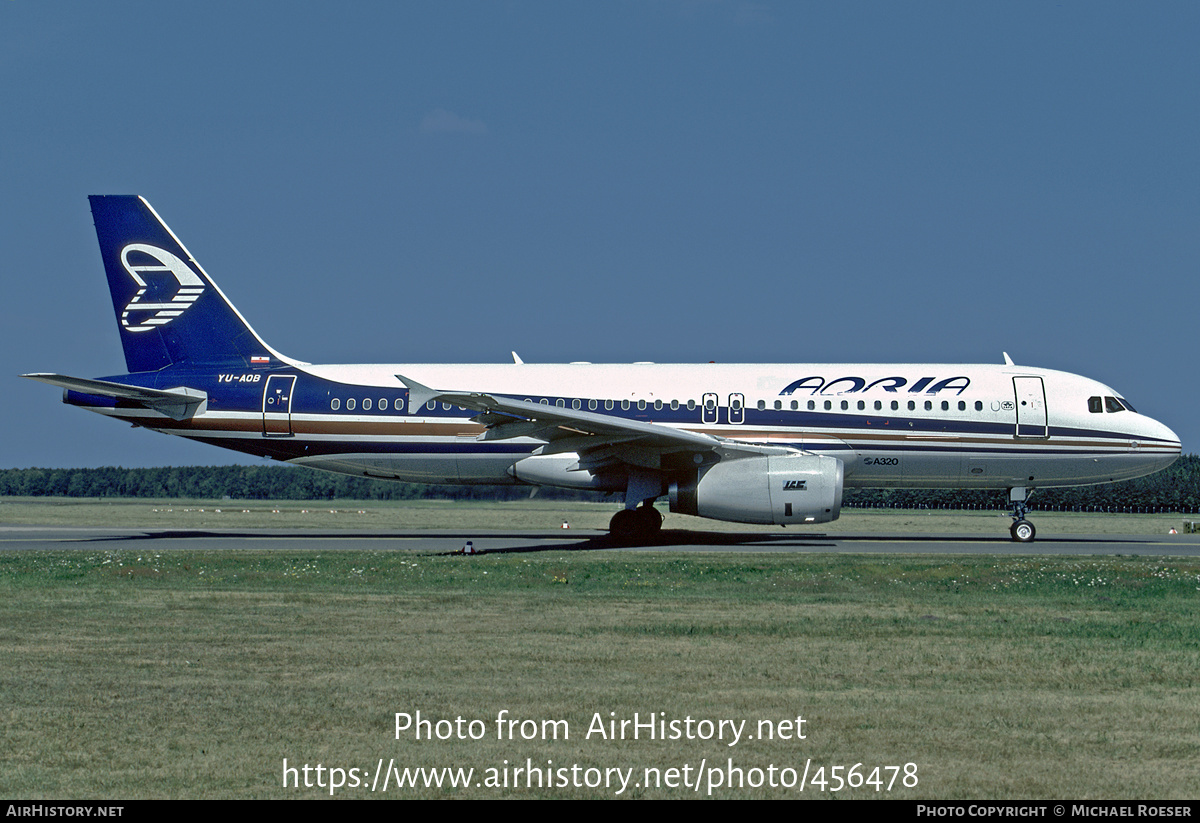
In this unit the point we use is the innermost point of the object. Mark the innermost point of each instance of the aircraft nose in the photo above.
(1164, 442)
(1168, 437)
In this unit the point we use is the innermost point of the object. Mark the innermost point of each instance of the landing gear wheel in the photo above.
(1022, 531)
(624, 525)
(650, 520)
(635, 525)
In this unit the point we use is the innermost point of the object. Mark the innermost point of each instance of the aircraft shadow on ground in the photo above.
(595, 542)
(553, 541)
(680, 537)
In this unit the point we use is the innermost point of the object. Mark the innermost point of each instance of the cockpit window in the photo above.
(1125, 403)
(1094, 405)
(1112, 404)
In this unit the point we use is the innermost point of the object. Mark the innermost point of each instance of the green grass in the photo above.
(180, 674)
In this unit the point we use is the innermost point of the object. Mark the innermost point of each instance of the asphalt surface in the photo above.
(43, 538)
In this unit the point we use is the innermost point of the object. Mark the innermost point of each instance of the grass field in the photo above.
(148, 674)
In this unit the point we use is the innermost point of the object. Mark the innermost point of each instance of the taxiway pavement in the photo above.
(44, 538)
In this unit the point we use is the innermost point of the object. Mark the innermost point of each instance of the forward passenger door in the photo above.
(1031, 407)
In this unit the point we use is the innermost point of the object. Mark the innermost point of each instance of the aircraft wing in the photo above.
(598, 438)
(178, 404)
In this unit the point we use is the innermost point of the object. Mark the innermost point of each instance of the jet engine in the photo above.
(778, 489)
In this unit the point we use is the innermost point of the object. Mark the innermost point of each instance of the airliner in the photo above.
(766, 444)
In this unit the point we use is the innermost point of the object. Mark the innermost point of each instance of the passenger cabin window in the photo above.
(978, 405)
(366, 404)
(335, 404)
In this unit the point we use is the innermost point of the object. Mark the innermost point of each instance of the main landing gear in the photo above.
(1021, 530)
(636, 525)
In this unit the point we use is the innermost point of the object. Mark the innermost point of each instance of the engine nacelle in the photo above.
(778, 489)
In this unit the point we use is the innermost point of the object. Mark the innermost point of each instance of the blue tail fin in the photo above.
(169, 311)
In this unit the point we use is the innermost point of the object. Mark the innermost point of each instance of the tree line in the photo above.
(244, 483)
(1176, 488)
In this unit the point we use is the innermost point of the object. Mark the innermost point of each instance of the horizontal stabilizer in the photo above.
(178, 404)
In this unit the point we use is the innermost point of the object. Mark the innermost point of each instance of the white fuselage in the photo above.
(894, 425)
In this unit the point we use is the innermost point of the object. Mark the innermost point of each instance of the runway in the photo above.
(43, 538)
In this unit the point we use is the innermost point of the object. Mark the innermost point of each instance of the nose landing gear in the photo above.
(1021, 530)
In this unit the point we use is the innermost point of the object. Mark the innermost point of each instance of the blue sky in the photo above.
(662, 180)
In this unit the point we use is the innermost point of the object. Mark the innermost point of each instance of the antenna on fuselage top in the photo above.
(1008, 360)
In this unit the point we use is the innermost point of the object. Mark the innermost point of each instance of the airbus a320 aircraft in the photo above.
(769, 443)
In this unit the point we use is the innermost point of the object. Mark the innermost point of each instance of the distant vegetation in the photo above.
(246, 483)
(1177, 489)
